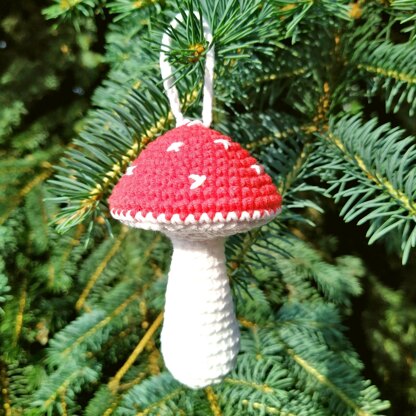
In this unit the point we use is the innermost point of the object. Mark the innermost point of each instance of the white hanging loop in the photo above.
(168, 80)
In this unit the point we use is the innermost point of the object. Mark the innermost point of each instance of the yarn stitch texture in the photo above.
(194, 170)
(200, 335)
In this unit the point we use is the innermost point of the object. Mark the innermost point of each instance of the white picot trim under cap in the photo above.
(204, 228)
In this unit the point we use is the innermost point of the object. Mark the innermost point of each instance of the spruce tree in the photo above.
(322, 93)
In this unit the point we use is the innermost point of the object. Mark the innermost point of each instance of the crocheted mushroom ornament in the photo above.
(196, 186)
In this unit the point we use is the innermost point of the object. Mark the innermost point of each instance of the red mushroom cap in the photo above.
(194, 172)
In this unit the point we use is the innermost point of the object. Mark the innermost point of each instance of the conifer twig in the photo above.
(380, 181)
(115, 381)
(23, 192)
(101, 324)
(327, 382)
(389, 73)
(4, 384)
(261, 387)
(98, 271)
(213, 401)
(75, 240)
(157, 404)
(20, 313)
(269, 410)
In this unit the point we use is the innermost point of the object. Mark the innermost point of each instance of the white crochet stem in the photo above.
(200, 334)
(168, 80)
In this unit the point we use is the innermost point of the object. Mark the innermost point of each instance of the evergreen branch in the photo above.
(67, 381)
(289, 162)
(261, 82)
(318, 123)
(405, 12)
(293, 175)
(60, 382)
(63, 258)
(241, 29)
(116, 397)
(389, 73)
(131, 154)
(124, 7)
(71, 9)
(153, 366)
(303, 339)
(64, 406)
(37, 215)
(23, 192)
(85, 336)
(115, 382)
(292, 13)
(101, 324)
(380, 181)
(378, 177)
(262, 378)
(244, 247)
(213, 401)
(20, 312)
(408, 7)
(115, 338)
(101, 267)
(393, 68)
(305, 268)
(278, 135)
(260, 387)
(4, 384)
(247, 324)
(147, 410)
(4, 287)
(322, 379)
(330, 322)
(281, 75)
(265, 409)
(28, 163)
(129, 384)
(103, 263)
(109, 411)
(159, 394)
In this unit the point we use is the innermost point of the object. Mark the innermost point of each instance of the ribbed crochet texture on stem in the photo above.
(200, 335)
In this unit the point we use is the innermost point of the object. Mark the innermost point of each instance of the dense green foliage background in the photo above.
(307, 87)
